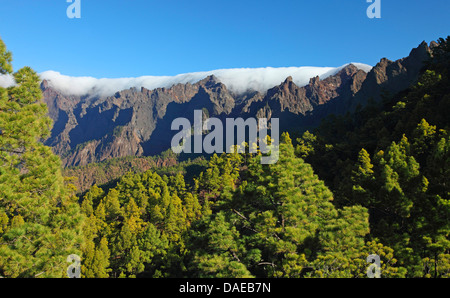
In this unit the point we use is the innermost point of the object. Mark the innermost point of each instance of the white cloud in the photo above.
(6, 81)
(238, 80)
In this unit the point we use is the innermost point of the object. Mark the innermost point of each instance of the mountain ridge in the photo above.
(136, 121)
(239, 80)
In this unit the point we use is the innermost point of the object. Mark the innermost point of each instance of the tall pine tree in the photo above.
(40, 216)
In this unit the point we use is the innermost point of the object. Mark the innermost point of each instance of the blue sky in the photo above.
(129, 38)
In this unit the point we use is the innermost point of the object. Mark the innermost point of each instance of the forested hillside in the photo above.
(393, 158)
(375, 181)
(109, 171)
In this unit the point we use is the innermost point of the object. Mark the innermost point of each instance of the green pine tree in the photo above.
(41, 220)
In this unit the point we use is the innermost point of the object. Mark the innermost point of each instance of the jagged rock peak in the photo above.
(289, 79)
(351, 68)
(314, 81)
(44, 85)
(209, 80)
(421, 51)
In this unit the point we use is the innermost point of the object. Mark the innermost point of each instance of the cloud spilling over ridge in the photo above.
(239, 80)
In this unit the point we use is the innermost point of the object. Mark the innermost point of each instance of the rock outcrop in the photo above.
(137, 122)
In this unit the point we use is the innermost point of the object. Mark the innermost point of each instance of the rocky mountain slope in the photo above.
(136, 122)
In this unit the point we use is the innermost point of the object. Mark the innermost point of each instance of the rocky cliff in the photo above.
(136, 122)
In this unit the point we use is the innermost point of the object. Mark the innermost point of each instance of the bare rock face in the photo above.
(61, 110)
(288, 99)
(137, 122)
(90, 130)
(345, 83)
(390, 77)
